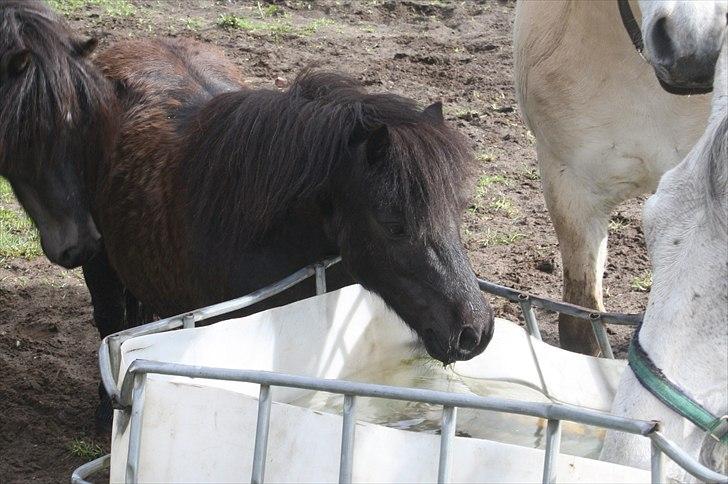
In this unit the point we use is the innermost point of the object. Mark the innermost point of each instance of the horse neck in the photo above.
(685, 331)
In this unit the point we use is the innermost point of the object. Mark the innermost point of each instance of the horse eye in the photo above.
(395, 229)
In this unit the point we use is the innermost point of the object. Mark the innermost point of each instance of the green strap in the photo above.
(655, 381)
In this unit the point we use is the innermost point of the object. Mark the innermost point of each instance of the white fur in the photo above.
(685, 329)
(605, 130)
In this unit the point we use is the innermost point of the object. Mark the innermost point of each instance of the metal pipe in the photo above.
(601, 334)
(656, 464)
(551, 455)
(261, 435)
(135, 429)
(558, 306)
(188, 321)
(447, 436)
(348, 430)
(558, 411)
(685, 461)
(320, 279)
(82, 472)
(529, 316)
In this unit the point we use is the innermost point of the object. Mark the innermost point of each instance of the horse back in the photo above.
(160, 84)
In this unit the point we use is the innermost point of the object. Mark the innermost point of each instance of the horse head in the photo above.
(682, 41)
(56, 120)
(395, 214)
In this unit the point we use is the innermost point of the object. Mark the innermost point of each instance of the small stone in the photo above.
(281, 82)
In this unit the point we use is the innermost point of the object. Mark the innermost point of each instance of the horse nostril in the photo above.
(469, 339)
(663, 50)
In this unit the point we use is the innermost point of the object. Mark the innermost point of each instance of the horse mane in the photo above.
(255, 154)
(59, 85)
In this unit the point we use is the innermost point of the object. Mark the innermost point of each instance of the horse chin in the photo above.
(682, 88)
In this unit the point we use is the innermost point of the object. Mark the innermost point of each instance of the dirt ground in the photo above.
(457, 52)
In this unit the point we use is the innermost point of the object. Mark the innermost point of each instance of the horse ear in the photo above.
(434, 112)
(19, 62)
(86, 47)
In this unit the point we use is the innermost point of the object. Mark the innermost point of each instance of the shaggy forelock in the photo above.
(57, 86)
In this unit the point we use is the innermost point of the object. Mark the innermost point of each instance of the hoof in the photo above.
(104, 412)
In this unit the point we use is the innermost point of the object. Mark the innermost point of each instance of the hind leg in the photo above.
(580, 217)
(107, 298)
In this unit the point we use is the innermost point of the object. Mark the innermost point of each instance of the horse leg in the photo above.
(107, 298)
(580, 218)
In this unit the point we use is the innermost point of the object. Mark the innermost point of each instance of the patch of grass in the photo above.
(642, 283)
(618, 223)
(494, 237)
(270, 10)
(275, 27)
(18, 235)
(531, 173)
(486, 156)
(85, 449)
(193, 23)
(315, 25)
(114, 8)
(505, 205)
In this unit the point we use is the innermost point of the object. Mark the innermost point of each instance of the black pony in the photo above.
(218, 190)
(56, 118)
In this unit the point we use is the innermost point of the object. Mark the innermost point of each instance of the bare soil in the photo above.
(457, 52)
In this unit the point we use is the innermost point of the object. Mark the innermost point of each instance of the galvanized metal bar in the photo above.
(530, 317)
(553, 448)
(188, 321)
(261, 435)
(320, 279)
(135, 429)
(348, 430)
(656, 464)
(684, 460)
(601, 334)
(558, 411)
(447, 437)
(81, 473)
(559, 306)
(110, 349)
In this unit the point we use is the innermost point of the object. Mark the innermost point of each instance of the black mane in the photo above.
(257, 153)
(58, 87)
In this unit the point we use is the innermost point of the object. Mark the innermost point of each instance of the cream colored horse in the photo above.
(685, 329)
(605, 129)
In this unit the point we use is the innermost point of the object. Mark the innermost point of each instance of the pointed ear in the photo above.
(19, 62)
(434, 113)
(86, 47)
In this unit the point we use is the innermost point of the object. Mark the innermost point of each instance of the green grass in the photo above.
(18, 236)
(486, 156)
(114, 8)
(504, 205)
(276, 27)
(85, 449)
(618, 223)
(494, 237)
(642, 283)
(193, 23)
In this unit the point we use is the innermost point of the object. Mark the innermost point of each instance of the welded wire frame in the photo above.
(129, 398)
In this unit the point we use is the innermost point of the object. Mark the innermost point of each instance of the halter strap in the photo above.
(635, 35)
(631, 25)
(655, 381)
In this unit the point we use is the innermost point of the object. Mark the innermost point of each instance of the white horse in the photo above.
(605, 129)
(685, 328)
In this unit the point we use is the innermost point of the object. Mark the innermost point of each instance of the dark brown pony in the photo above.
(219, 190)
(56, 118)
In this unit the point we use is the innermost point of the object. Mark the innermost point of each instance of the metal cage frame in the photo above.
(130, 397)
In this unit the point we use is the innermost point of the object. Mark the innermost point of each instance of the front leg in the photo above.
(107, 298)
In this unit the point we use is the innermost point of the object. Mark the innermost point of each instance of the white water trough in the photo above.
(203, 430)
